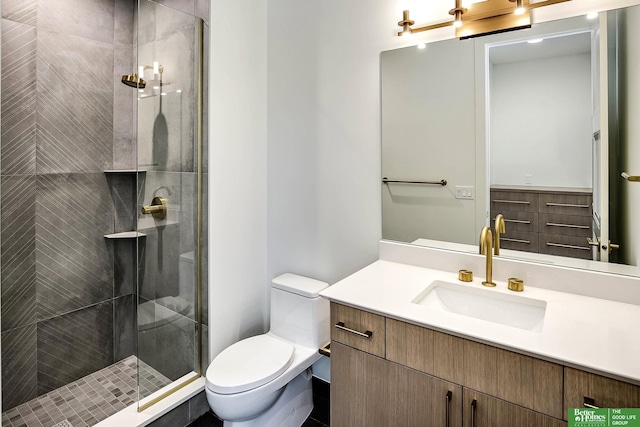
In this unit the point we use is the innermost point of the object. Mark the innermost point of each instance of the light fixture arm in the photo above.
(473, 15)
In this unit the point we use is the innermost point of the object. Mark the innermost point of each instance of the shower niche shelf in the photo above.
(125, 235)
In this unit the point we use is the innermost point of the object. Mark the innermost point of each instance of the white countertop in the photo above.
(597, 335)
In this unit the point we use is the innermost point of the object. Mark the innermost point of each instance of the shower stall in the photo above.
(103, 219)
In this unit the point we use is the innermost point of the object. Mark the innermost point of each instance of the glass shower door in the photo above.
(170, 200)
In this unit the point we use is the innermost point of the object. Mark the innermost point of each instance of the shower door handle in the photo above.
(157, 209)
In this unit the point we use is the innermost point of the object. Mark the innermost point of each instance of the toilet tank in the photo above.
(298, 314)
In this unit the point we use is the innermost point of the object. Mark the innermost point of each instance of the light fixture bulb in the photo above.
(519, 7)
(592, 15)
(457, 23)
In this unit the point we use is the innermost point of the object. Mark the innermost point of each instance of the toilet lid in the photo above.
(248, 364)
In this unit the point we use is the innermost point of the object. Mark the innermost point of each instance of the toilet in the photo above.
(265, 381)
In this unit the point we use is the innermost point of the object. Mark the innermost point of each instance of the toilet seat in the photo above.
(248, 364)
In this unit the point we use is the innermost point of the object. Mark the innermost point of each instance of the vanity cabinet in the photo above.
(367, 390)
(544, 220)
(482, 410)
(417, 375)
(583, 387)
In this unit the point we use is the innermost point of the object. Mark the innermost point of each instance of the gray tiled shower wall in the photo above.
(68, 295)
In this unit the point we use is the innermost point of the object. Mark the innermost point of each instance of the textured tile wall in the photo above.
(74, 345)
(57, 138)
(18, 98)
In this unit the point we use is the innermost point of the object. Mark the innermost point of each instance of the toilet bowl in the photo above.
(265, 380)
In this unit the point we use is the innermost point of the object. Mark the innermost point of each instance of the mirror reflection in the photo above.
(535, 125)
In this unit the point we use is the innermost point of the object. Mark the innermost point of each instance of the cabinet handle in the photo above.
(590, 403)
(518, 221)
(560, 245)
(506, 239)
(514, 202)
(568, 205)
(474, 404)
(366, 334)
(448, 402)
(553, 224)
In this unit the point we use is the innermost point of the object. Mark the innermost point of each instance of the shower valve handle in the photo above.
(158, 208)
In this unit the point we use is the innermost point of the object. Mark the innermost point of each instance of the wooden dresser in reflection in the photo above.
(547, 220)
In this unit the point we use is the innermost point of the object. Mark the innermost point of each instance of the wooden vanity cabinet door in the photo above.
(606, 392)
(369, 391)
(492, 412)
(360, 322)
(359, 387)
(523, 380)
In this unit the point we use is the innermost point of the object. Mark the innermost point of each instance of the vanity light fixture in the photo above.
(457, 13)
(482, 18)
(519, 7)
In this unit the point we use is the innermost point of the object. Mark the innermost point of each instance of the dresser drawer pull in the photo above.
(506, 239)
(560, 245)
(474, 404)
(366, 334)
(448, 403)
(517, 221)
(590, 403)
(553, 224)
(514, 202)
(567, 205)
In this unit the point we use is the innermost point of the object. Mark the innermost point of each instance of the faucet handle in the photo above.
(515, 284)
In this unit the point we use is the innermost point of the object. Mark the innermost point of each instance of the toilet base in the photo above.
(290, 410)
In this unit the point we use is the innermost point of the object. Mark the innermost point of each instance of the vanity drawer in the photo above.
(603, 392)
(519, 241)
(566, 204)
(517, 221)
(568, 225)
(523, 380)
(569, 246)
(520, 201)
(358, 329)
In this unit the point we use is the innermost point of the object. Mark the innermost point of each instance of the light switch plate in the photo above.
(464, 192)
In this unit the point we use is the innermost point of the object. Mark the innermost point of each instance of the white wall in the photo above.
(324, 135)
(238, 297)
(549, 135)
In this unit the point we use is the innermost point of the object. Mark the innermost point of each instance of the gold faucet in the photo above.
(500, 228)
(486, 243)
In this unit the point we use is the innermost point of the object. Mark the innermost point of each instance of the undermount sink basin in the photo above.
(484, 304)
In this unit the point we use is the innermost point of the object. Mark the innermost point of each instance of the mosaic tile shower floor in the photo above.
(89, 400)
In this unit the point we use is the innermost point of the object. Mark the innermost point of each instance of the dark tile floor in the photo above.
(88, 400)
(319, 416)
